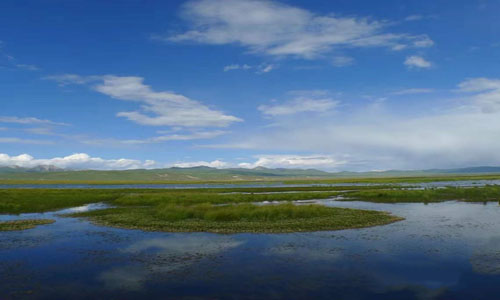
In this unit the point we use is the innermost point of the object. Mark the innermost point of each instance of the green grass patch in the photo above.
(471, 194)
(15, 201)
(237, 218)
(23, 224)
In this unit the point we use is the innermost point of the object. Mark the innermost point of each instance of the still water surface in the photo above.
(447, 250)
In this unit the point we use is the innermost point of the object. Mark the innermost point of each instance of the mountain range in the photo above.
(52, 173)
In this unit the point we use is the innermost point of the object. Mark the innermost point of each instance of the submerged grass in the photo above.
(23, 224)
(470, 194)
(238, 218)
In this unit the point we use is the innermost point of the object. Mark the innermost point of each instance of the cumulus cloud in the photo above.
(415, 61)
(278, 29)
(28, 121)
(75, 161)
(295, 161)
(157, 108)
(301, 104)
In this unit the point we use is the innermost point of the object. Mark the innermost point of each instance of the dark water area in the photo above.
(447, 250)
(458, 183)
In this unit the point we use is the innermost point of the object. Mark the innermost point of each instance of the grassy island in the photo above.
(238, 218)
(23, 224)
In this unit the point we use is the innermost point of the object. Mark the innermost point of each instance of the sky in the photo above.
(333, 85)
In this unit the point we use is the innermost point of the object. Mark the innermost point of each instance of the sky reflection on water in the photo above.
(445, 250)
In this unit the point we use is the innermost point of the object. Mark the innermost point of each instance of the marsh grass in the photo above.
(17, 201)
(238, 218)
(190, 198)
(23, 224)
(471, 194)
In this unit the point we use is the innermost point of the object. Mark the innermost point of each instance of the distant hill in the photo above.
(168, 174)
(51, 173)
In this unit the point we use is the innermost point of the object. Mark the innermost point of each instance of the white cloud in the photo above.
(342, 61)
(299, 105)
(414, 18)
(412, 91)
(295, 161)
(259, 69)
(265, 68)
(178, 137)
(11, 62)
(487, 93)
(213, 164)
(75, 161)
(415, 61)
(157, 108)
(27, 67)
(15, 140)
(40, 131)
(237, 67)
(67, 79)
(273, 28)
(423, 42)
(382, 139)
(28, 121)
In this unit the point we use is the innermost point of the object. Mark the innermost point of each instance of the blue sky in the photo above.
(333, 85)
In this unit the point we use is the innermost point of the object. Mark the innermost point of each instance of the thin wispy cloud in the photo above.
(304, 101)
(29, 121)
(258, 69)
(485, 93)
(413, 91)
(10, 62)
(342, 61)
(200, 135)
(278, 29)
(16, 140)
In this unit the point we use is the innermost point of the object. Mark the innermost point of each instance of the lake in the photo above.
(448, 250)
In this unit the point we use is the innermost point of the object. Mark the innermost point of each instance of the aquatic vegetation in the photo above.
(469, 194)
(237, 218)
(42, 200)
(23, 224)
(196, 197)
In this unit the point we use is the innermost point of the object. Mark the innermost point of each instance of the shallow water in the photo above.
(447, 250)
